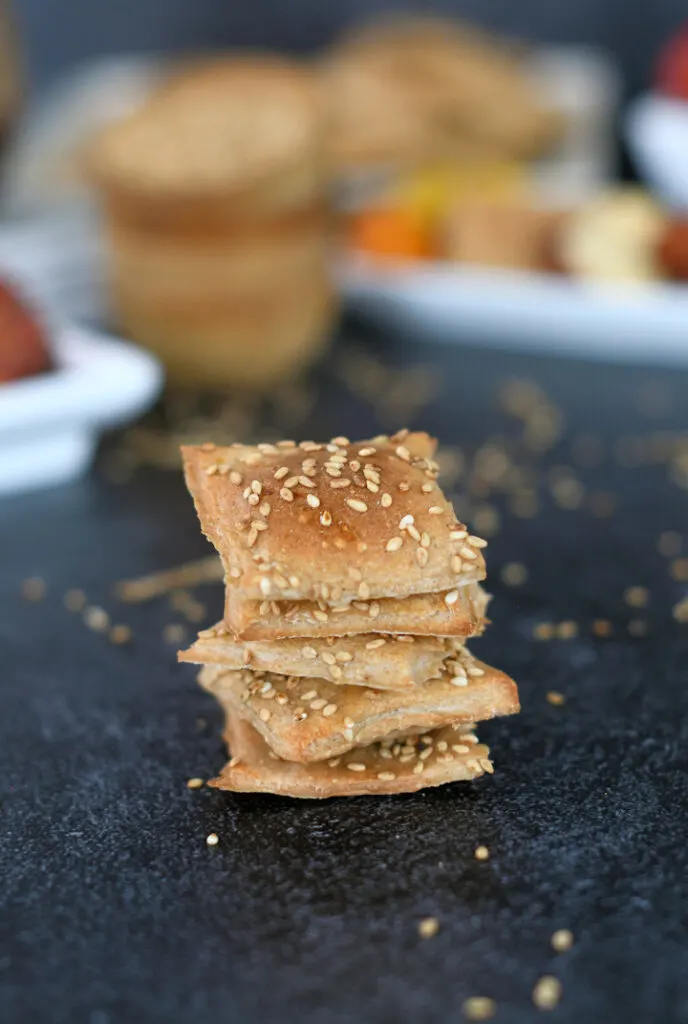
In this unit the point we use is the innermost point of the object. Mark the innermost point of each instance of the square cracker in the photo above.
(456, 613)
(333, 522)
(385, 662)
(313, 719)
(455, 755)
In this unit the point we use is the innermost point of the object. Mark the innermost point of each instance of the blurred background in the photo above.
(194, 195)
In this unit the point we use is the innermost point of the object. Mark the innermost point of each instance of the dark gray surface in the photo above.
(58, 34)
(115, 911)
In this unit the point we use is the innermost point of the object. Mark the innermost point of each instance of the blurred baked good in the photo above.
(23, 347)
(217, 220)
(416, 89)
(672, 250)
(614, 237)
(500, 234)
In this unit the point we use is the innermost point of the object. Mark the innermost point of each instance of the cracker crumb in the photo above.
(213, 839)
(194, 783)
(481, 853)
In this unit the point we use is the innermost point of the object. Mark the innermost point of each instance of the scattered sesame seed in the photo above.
(547, 992)
(386, 776)
(357, 505)
(374, 610)
(418, 768)
(458, 534)
(318, 704)
(74, 600)
(194, 783)
(413, 533)
(348, 723)
(281, 473)
(374, 644)
(363, 591)
(481, 853)
(602, 627)
(555, 698)
(211, 470)
(669, 543)
(120, 634)
(562, 940)
(356, 766)
(313, 500)
(514, 574)
(452, 597)
(435, 510)
(213, 839)
(320, 616)
(336, 672)
(479, 1008)
(426, 488)
(422, 557)
(403, 453)
(428, 927)
(367, 451)
(286, 494)
(394, 544)
(329, 710)
(468, 552)
(235, 477)
(96, 619)
(344, 656)
(385, 499)
(33, 589)
(264, 715)
(637, 597)
(456, 564)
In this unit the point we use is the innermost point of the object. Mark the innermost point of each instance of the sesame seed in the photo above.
(333, 762)
(460, 748)
(452, 597)
(252, 459)
(342, 442)
(547, 992)
(325, 517)
(256, 486)
(406, 521)
(468, 553)
(336, 672)
(333, 470)
(374, 644)
(309, 652)
(213, 839)
(211, 470)
(120, 634)
(349, 722)
(479, 1008)
(403, 486)
(329, 710)
(458, 534)
(367, 451)
(354, 465)
(456, 564)
(385, 499)
(357, 505)
(356, 766)
(602, 628)
(194, 783)
(335, 484)
(344, 656)
(372, 487)
(313, 500)
(555, 698)
(403, 453)
(386, 776)
(300, 715)
(435, 510)
(481, 853)
(306, 481)
(321, 616)
(636, 597)
(477, 542)
(394, 544)
(413, 533)
(562, 940)
(235, 477)
(281, 473)
(286, 494)
(33, 589)
(422, 557)
(291, 482)
(428, 927)
(374, 610)
(252, 538)
(74, 600)
(514, 574)
(318, 704)
(96, 619)
(264, 715)
(363, 591)
(426, 488)
(418, 768)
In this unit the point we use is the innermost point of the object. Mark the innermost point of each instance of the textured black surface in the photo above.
(115, 910)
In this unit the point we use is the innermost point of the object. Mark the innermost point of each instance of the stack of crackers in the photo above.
(351, 589)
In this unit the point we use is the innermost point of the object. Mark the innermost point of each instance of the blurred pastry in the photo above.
(614, 238)
(415, 89)
(216, 214)
(23, 345)
(672, 250)
(500, 234)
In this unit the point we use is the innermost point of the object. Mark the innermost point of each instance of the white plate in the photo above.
(50, 423)
(657, 134)
(515, 310)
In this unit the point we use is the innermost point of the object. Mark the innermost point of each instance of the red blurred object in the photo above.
(672, 251)
(672, 68)
(23, 349)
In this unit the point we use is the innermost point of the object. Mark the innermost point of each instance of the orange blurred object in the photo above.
(391, 233)
(672, 251)
(23, 351)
